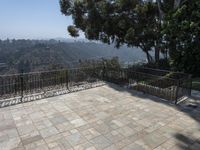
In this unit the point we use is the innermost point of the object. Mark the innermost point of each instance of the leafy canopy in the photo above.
(182, 35)
(130, 22)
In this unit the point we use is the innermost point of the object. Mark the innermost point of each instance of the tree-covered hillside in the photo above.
(35, 55)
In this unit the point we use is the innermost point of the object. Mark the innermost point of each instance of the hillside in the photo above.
(34, 55)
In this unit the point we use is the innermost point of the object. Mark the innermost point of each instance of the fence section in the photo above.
(168, 85)
(31, 86)
(164, 84)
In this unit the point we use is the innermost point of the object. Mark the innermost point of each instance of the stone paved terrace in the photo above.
(102, 118)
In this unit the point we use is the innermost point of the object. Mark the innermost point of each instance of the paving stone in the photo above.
(32, 139)
(53, 138)
(48, 132)
(58, 119)
(40, 147)
(102, 128)
(83, 146)
(91, 148)
(66, 126)
(154, 140)
(62, 143)
(118, 123)
(137, 136)
(30, 135)
(126, 131)
(25, 121)
(26, 129)
(90, 133)
(36, 116)
(19, 148)
(114, 136)
(10, 143)
(121, 144)
(169, 143)
(159, 148)
(112, 147)
(43, 124)
(78, 122)
(11, 133)
(4, 138)
(100, 142)
(76, 139)
(7, 124)
(133, 147)
(101, 115)
(36, 145)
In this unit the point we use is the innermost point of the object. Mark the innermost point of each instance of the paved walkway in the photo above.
(102, 118)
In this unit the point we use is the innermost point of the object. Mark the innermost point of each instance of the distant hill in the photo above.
(36, 55)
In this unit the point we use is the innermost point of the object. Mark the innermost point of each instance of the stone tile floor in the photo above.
(102, 118)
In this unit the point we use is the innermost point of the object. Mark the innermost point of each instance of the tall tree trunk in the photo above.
(157, 43)
(157, 54)
(161, 14)
(145, 50)
(149, 57)
(166, 55)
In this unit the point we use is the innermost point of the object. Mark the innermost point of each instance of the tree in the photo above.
(181, 30)
(164, 7)
(131, 22)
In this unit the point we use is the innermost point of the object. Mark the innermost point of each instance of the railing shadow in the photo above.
(184, 142)
(27, 82)
(187, 142)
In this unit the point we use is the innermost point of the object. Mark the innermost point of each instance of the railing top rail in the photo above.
(79, 68)
(162, 70)
(39, 72)
(184, 75)
(155, 76)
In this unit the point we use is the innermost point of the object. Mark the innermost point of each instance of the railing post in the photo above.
(22, 84)
(67, 79)
(177, 91)
(103, 74)
(1, 86)
(190, 86)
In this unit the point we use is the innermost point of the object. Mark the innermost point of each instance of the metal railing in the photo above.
(172, 88)
(24, 87)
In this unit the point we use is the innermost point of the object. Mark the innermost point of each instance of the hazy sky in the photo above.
(32, 19)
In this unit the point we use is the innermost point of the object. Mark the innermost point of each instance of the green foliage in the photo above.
(65, 6)
(182, 35)
(111, 64)
(131, 22)
(73, 31)
(163, 64)
(108, 64)
(171, 27)
(167, 6)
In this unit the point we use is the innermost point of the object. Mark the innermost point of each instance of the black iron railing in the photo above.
(164, 84)
(25, 87)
